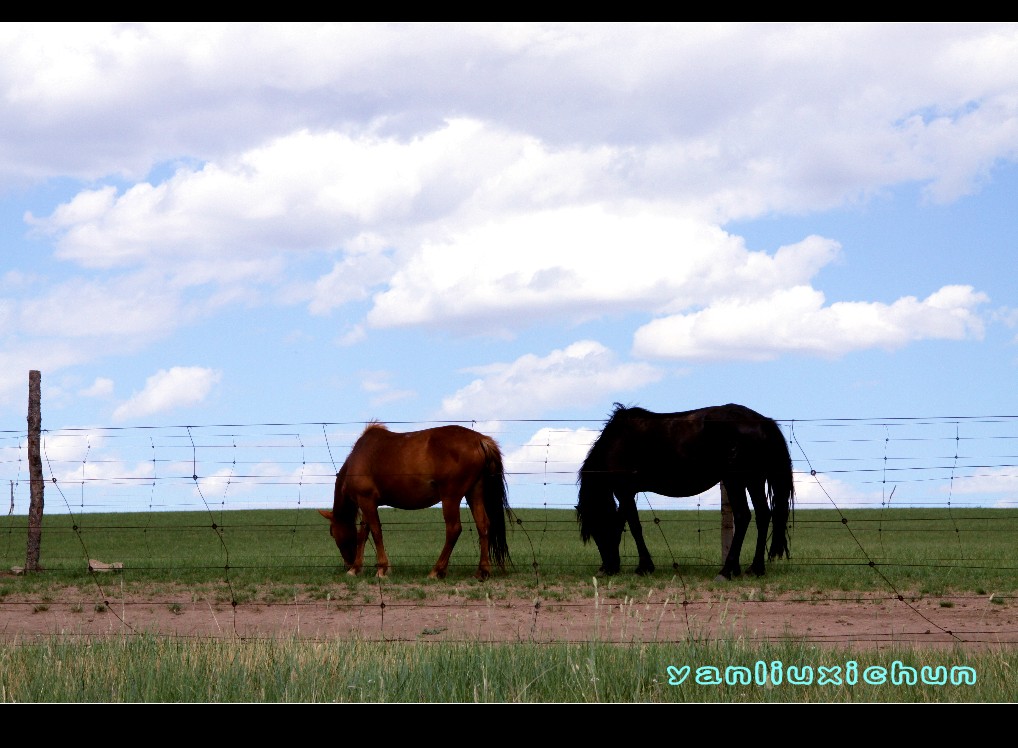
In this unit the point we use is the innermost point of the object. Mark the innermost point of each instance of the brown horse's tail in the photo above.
(781, 488)
(496, 502)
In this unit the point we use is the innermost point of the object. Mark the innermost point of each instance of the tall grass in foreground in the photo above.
(211, 671)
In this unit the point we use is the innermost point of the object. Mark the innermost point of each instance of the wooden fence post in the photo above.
(34, 471)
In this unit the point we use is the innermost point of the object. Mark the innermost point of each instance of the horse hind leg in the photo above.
(741, 515)
(763, 520)
(453, 528)
(779, 537)
(475, 500)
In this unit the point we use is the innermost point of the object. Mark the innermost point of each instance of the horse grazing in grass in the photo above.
(417, 470)
(684, 454)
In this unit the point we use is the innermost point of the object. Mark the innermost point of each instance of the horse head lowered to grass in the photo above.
(416, 470)
(684, 454)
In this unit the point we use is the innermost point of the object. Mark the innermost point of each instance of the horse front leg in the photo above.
(608, 538)
(371, 522)
(354, 568)
(453, 528)
(627, 506)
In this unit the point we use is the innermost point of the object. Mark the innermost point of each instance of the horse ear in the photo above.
(326, 514)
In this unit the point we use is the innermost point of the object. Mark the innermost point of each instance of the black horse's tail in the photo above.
(781, 488)
(496, 502)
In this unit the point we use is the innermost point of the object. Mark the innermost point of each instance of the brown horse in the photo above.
(416, 470)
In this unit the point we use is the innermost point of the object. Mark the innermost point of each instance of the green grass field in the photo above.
(893, 550)
(271, 554)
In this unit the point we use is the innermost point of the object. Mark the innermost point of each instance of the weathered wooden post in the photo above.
(34, 471)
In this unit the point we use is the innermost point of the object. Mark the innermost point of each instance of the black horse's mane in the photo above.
(620, 411)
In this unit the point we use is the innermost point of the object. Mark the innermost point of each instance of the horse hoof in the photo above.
(352, 572)
(644, 571)
(722, 578)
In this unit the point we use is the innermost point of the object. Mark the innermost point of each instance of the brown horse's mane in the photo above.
(375, 425)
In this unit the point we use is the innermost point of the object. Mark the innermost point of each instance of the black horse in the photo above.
(684, 454)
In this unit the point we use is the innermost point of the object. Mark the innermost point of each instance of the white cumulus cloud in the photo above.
(555, 453)
(795, 320)
(101, 387)
(578, 375)
(180, 386)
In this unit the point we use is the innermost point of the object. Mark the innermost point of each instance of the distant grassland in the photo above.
(926, 551)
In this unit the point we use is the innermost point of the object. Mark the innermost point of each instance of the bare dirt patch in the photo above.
(847, 620)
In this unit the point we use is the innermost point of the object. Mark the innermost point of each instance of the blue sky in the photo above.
(513, 226)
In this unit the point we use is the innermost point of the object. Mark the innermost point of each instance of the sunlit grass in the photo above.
(149, 669)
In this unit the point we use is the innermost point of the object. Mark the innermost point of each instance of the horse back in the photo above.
(412, 469)
(681, 453)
